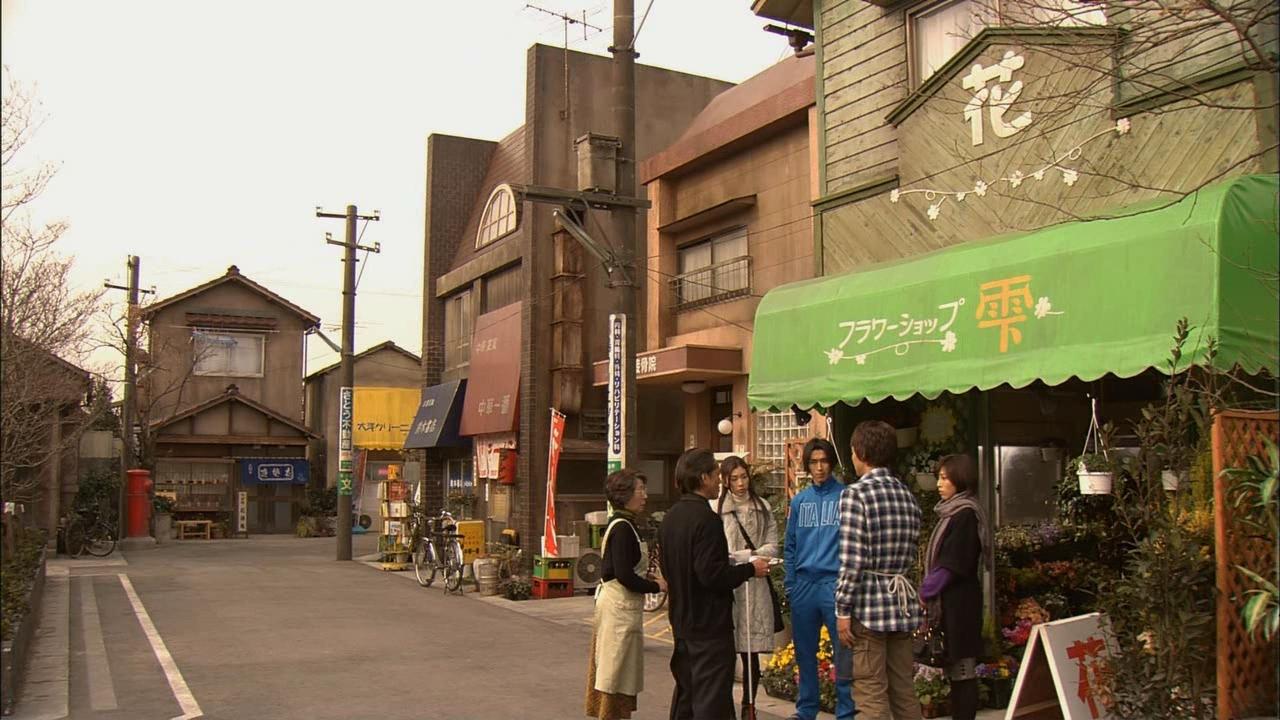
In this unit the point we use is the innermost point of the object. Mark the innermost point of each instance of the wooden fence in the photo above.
(1246, 665)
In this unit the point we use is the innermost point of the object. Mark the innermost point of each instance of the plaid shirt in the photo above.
(879, 536)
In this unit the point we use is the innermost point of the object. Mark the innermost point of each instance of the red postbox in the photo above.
(138, 503)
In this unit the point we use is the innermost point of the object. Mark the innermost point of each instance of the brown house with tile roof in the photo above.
(385, 365)
(221, 400)
(487, 248)
(730, 220)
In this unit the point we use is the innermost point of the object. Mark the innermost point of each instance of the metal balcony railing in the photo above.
(712, 284)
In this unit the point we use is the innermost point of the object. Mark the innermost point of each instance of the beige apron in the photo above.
(619, 619)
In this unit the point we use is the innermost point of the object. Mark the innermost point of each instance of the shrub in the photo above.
(17, 575)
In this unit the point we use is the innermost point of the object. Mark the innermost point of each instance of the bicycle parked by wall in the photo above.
(436, 548)
(92, 531)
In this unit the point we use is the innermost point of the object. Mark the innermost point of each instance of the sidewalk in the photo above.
(576, 612)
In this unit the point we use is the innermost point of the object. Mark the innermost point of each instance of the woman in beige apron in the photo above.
(615, 670)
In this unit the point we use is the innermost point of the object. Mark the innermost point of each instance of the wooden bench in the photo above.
(194, 529)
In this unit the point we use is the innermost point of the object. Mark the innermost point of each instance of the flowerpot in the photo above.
(1095, 483)
(1172, 479)
(999, 690)
(934, 710)
(164, 527)
(907, 436)
(927, 481)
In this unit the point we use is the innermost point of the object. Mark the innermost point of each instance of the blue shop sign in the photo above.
(275, 470)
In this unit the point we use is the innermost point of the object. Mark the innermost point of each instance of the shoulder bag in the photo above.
(778, 624)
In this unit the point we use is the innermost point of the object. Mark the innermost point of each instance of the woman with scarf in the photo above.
(615, 668)
(954, 561)
(750, 530)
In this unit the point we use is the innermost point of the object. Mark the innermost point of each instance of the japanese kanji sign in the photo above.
(384, 416)
(493, 386)
(994, 98)
(1061, 666)
(617, 389)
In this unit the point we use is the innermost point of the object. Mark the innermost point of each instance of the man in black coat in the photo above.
(695, 564)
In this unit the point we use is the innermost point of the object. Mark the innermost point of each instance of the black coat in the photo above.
(960, 553)
(700, 579)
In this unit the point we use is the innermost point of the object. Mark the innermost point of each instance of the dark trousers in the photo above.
(703, 670)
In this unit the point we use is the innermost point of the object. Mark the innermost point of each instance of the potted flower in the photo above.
(1096, 474)
(934, 691)
(997, 677)
(923, 466)
(162, 516)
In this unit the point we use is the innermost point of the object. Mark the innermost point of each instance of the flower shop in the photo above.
(1126, 454)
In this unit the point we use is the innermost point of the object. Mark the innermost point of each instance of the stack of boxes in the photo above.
(393, 542)
(552, 577)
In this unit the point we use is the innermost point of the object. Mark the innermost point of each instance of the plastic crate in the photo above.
(552, 568)
(545, 588)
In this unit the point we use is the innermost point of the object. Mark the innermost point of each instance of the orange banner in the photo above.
(550, 548)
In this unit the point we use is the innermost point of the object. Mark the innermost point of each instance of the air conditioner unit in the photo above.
(586, 572)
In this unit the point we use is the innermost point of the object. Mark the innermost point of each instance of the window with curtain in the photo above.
(457, 330)
(228, 354)
(938, 30)
(713, 268)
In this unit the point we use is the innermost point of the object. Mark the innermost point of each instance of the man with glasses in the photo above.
(811, 549)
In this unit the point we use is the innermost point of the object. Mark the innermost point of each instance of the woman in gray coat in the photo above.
(748, 523)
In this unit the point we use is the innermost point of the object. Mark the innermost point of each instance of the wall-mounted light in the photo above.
(693, 387)
(725, 426)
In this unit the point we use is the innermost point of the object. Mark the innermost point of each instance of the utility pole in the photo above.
(128, 409)
(346, 402)
(624, 216)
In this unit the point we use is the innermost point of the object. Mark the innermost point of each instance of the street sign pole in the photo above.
(617, 392)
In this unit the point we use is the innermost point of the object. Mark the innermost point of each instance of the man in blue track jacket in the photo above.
(812, 552)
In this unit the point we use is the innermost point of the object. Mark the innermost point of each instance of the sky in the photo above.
(201, 135)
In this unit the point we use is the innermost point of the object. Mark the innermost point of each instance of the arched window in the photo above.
(499, 218)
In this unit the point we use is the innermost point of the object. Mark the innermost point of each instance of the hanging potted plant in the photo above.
(923, 466)
(1094, 468)
(1095, 474)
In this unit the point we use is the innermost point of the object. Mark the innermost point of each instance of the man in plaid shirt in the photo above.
(876, 605)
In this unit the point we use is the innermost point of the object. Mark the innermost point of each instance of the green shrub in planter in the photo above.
(516, 588)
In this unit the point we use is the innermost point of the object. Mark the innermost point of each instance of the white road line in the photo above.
(182, 693)
(102, 694)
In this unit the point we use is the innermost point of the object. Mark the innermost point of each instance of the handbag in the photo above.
(927, 644)
(778, 623)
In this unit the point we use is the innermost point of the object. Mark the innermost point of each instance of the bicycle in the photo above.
(509, 558)
(89, 531)
(654, 601)
(436, 548)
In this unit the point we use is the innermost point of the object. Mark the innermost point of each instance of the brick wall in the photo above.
(455, 169)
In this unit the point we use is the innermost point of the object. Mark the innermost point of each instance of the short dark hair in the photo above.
(691, 466)
(962, 471)
(620, 486)
(875, 442)
(820, 444)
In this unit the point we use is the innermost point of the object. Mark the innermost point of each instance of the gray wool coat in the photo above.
(754, 633)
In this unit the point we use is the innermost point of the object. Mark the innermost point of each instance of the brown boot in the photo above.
(748, 712)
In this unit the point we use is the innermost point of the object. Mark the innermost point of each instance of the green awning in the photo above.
(1080, 299)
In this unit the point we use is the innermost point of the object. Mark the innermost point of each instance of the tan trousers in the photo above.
(883, 686)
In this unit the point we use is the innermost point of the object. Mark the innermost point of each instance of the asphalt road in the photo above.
(273, 627)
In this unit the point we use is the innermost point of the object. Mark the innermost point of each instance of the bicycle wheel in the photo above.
(73, 537)
(424, 563)
(453, 566)
(654, 601)
(100, 540)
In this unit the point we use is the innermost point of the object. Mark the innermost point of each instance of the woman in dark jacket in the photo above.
(953, 564)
